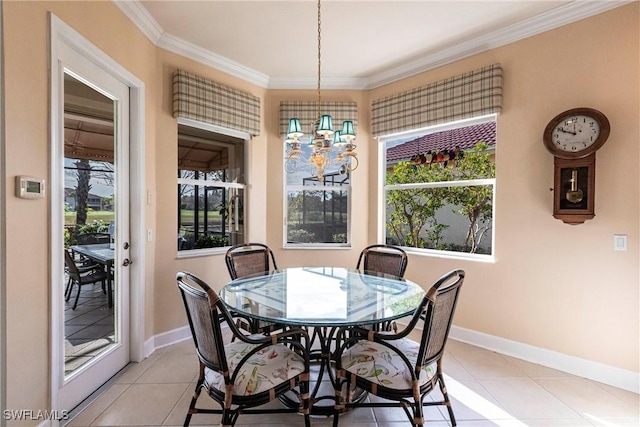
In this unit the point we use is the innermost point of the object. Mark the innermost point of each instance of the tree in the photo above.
(83, 170)
(411, 210)
(475, 202)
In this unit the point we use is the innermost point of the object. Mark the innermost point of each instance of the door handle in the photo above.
(126, 262)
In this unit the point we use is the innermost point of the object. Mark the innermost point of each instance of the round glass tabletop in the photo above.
(322, 296)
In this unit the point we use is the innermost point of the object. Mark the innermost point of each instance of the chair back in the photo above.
(438, 307)
(93, 238)
(202, 307)
(249, 258)
(387, 259)
(72, 267)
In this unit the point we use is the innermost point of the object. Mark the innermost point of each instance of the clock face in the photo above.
(576, 133)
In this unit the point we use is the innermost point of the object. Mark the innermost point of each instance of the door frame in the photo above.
(63, 36)
(3, 226)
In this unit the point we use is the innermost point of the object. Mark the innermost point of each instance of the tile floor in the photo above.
(487, 388)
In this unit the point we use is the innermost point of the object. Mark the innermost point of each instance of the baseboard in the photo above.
(596, 371)
(166, 338)
(606, 374)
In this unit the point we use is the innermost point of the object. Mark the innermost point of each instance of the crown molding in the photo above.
(140, 16)
(550, 20)
(206, 57)
(328, 83)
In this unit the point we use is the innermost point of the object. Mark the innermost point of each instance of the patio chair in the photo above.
(93, 238)
(81, 275)
(249, 372)
(244, 260)
(399, 370)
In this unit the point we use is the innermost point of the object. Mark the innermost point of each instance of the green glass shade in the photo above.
(295, 129)
(348, 133)
(325, 127)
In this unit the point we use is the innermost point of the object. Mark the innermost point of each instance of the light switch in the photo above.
(149, 235)
(619, 242)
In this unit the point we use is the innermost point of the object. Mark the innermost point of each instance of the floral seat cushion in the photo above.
(264, 370)
(381, 365)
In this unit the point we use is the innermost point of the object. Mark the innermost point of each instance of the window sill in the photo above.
(194, 253)
(451, 255)
(317, 246)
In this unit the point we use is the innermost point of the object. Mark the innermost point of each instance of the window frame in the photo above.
(285, 209)
(383, 188)
(191, 253)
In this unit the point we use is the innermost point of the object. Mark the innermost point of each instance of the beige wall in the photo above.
(553, 285)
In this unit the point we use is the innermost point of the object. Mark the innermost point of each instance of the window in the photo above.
(439, 188)
(317, 212)
(211, 189)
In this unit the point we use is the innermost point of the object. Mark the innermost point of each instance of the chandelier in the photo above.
(328, 148)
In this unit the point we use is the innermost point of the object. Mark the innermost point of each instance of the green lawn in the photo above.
(186, 217)
(105, 216)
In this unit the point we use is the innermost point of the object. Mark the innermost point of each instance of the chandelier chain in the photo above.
(326, 154)
(319, 58)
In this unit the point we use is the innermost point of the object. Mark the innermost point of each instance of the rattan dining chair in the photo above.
(399, 370)
(249, 258)
(386, 259)
(244, 374)
(80, 276)
(244, 260)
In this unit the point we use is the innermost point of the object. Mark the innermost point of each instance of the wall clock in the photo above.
(573, 137)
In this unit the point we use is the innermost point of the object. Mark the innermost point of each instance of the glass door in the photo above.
(92, 293)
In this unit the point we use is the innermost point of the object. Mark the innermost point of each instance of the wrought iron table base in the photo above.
(321, 405)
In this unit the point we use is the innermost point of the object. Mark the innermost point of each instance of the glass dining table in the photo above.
(322, 299)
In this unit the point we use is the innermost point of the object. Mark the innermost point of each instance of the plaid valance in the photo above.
(472, 94)
(206, 101)
(307, 112)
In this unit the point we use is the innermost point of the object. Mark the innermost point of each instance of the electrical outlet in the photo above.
(619, 242)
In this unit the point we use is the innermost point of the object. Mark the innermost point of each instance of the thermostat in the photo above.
(28, 187)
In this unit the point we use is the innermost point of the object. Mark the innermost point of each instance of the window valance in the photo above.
(307, 112)
(197, 98)
(472, 94)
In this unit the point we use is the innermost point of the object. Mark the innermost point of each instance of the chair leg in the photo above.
(109, 293)
(75, 304)
(229, 417)
(67, 290)
(305, 400)
(194, 399)
(338, 394)
(443, 390)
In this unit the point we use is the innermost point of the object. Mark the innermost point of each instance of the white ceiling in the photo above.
(365, 44)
